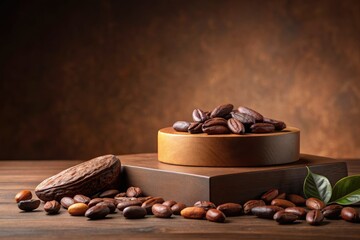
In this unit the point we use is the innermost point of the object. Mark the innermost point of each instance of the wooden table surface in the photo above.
(19, 175)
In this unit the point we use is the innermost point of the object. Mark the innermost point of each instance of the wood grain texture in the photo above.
(18, 175)
(222, 184)
(88, 77)
(228, 150)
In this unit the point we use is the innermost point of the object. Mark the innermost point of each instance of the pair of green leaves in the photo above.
(345, 192)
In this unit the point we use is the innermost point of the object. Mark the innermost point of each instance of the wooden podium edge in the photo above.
(228, 150)
(221, 187)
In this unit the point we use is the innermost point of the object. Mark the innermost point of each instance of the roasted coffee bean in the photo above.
(298, 211)
(176, 208)
(315, 204)
(133, 192)
(205, 205)
(78, 209)
(222, 110)
(111, 200)
(199, 115)
(227, 117)
(109, 205)
(245, 119)
(181, 126)
(235, 126)
(193, 212)
(122, 205)
(147, 205)
(314, 217)
(230, 209)
(270, 195)
(214, 215)
(29, 205)
(97, 212)
(126, 199)
(134, 212)
(52, 207)
(96, 195)
(281, 196)
(143, 199)
(109, 193)
(283, 217)
(296, 199)
(350, 214)
(161, 211)
(215, 122)
(122, 194)
(215, 126)
(218, 129)
(195, 127)
(23, 195)
(279, 125)
(79, 198)
(123, 199)
(262, 128)
(94, 201)
(282, 203)
(265, 211)
(258, 117)
(66, 202)
(332, 211)
(169, 203)
(251, 204)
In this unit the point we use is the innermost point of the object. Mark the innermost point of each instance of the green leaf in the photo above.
(317, 186)
(347, 190)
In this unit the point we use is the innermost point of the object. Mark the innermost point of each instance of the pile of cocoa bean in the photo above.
(273, 204)
(131, 203)
(224, 119)
(289, 208)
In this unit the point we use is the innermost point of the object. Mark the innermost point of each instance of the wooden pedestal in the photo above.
(228, 150)
(222, 184)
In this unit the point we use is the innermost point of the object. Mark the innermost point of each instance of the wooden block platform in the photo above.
(222, 184)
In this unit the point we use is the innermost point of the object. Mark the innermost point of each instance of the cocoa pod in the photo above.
(87, 178)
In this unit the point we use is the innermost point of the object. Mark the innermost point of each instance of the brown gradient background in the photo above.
(86, 78)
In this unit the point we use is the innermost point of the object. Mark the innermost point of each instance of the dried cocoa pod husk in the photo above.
(86, 178)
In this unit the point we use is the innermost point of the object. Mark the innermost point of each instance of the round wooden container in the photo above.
(228, 150)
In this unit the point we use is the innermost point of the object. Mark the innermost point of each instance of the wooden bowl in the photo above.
(228, 150)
